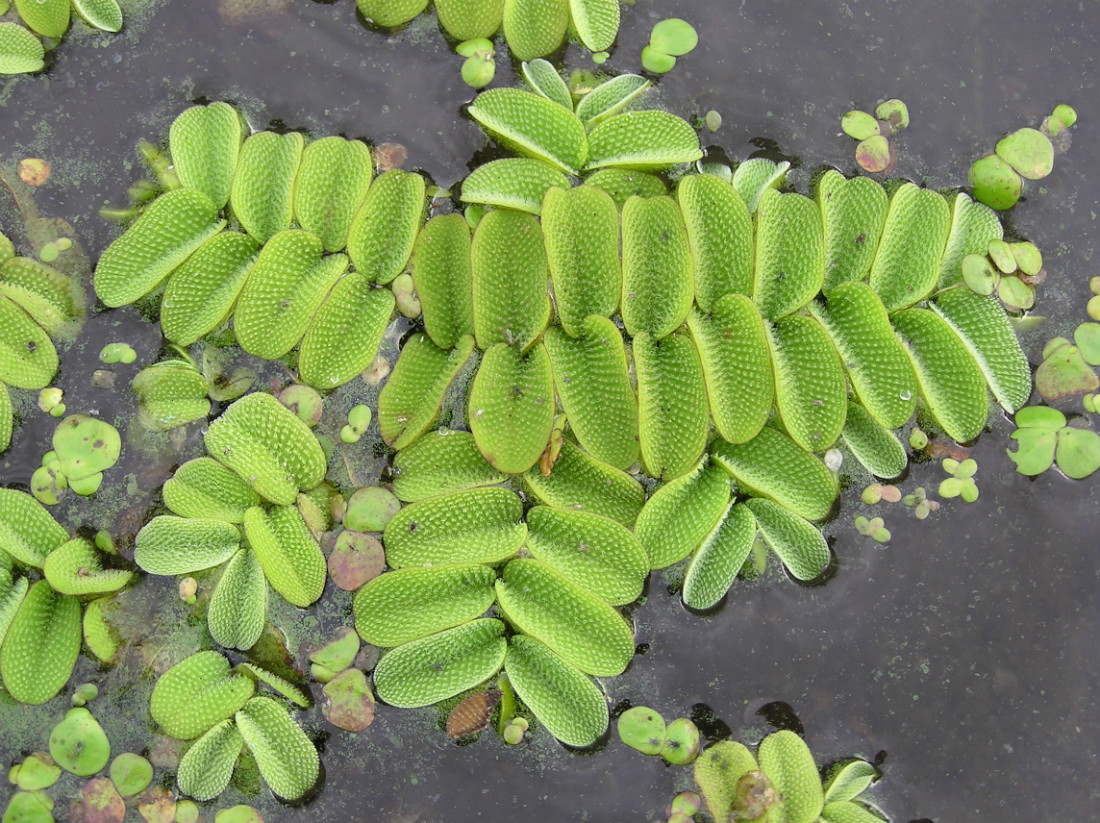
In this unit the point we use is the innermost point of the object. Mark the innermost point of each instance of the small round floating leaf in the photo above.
(531, 125)
(1064, 373)
(475, 526)
(796, 541)
(205, 142)
(609, 98)
(1040, 417)
(894, 112)
(237, 613)
(674, 36)
(197, 693)
(1028, 258)
(28, 359)
(995, 183)
(682, 740)
(1001, 255)
(1067, 114)
(74, 568)
(131, 773)
(28, 533)
(349, 704)
(1078, 452)
(579, 482)
(874, 154)
(206, 768)
(649, 140)
(563, 698)
(291, 559)
(679, 515)
(859, 125)
(20, 51)
(370, 508)
(441, 665)
(178, 545)
(787, 762)
(643, 729)
(720, 557)
(287, 759)
(478, 70)
(717, 773)
(470, 19)
(41, 645)
(78, 743)
(1015, 293)
(37, 771)
(513, 183)
(408, 604)
(1029, 152)
(978, 274)
(656, 61)
(29, 807)
(1087, 338)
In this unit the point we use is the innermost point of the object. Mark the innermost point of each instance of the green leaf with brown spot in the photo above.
(203, 487)
(579, 482)
(510, 270)
(562, 697)
(237, 614)
(534, 28)
(441, 665)
(786, 760)
(287, 759)
(205, 143)
(717, 773)
(511, 408)
(907, 264)
(650, 140)
(580, 627)
(28, 359)
(593, 385)
(580, 228)
(795, 540)
(443, 280)
(291, 559)
(853, 211)
(720, 557)
(513, 183)
(719, 230)
(440, 462)
(790, 253)
(737, 366)
(407, 604)
(206, 768)
(672, 403)
(343, 337)
(332, 182)
(263, 185)
(474, 526)
(528, 123)
(680, 514)
(28, 533)
(384, 230)
(411, 399)
(74, 568)
(811, 392)
(265, 443)
(948, 375)
(41, 645)
(181, 545)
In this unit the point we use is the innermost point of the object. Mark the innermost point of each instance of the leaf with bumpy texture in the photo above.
(790, 254)
(441, 665)
(470, 19)
(20, 51)
(6, 418)
(531, 125)
(411, 399)
(181, 545)
(649, 140)
(287, 284)
(74, 568)
(263, 185)
(787, 762)
(877, 364)
(343, 337)
(104, 15)
(12, 593)
(407, 604)
(509, 268)
(849, 779)
(475, 526)
(544, 79)
(41, 645)
(440, 462)
(442, 278)
(756, 176)
(287, 759)
(580, 627)
(795, 541)
(772, 465)
(717, 772)
(593, 385)
(874, 446)
(384, 230)
(907, 264)
(853, 212)
(811, 392)
(622, 184)
(847, 811)
(657, 279)
(280, 685)
(561, 696)
(332, 182)
(580, 482)
(535, 28)
(197, 693)
(513, 183)
(237, 613)
(390, 13)
(50, 18)
(203, 487)
(28, 359)
(680, 514)
(27, 531)
(580, 227)
(511, 410)
(973, 226)
(737, 366)
(205, 142)
(984, 329)
(265, 443)
(597, 22)
(609, 98)
(165, 235)
(672, 404)
(53, 299)
(719, 230)
(200, 294)
(291, 559)
(720, 557)
(595, 552)
(949, 376)
(206, 768)
(170, 394)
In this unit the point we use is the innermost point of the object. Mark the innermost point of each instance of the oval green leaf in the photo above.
(680, 514)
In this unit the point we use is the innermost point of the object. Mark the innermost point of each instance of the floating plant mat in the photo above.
(486, 474)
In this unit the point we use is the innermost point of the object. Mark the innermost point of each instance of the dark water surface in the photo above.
(965, 650)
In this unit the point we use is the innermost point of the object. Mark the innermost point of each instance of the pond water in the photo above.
(962, 654)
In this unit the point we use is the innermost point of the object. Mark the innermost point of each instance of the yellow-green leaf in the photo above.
(907, 264)
(650, 140)
(41, 645)
(719, 230)
(528, 123)
(853, 212)
(680, 514)
(790, 255)
(535, 28)
(263, 184)
(205, 143)
(579, 482)
(50, 18)
(384, 230)
(513, 183)
(657, 269)
(440, 462)
(443, 280)
(291, 559)
(332, 182)
(811, 393)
